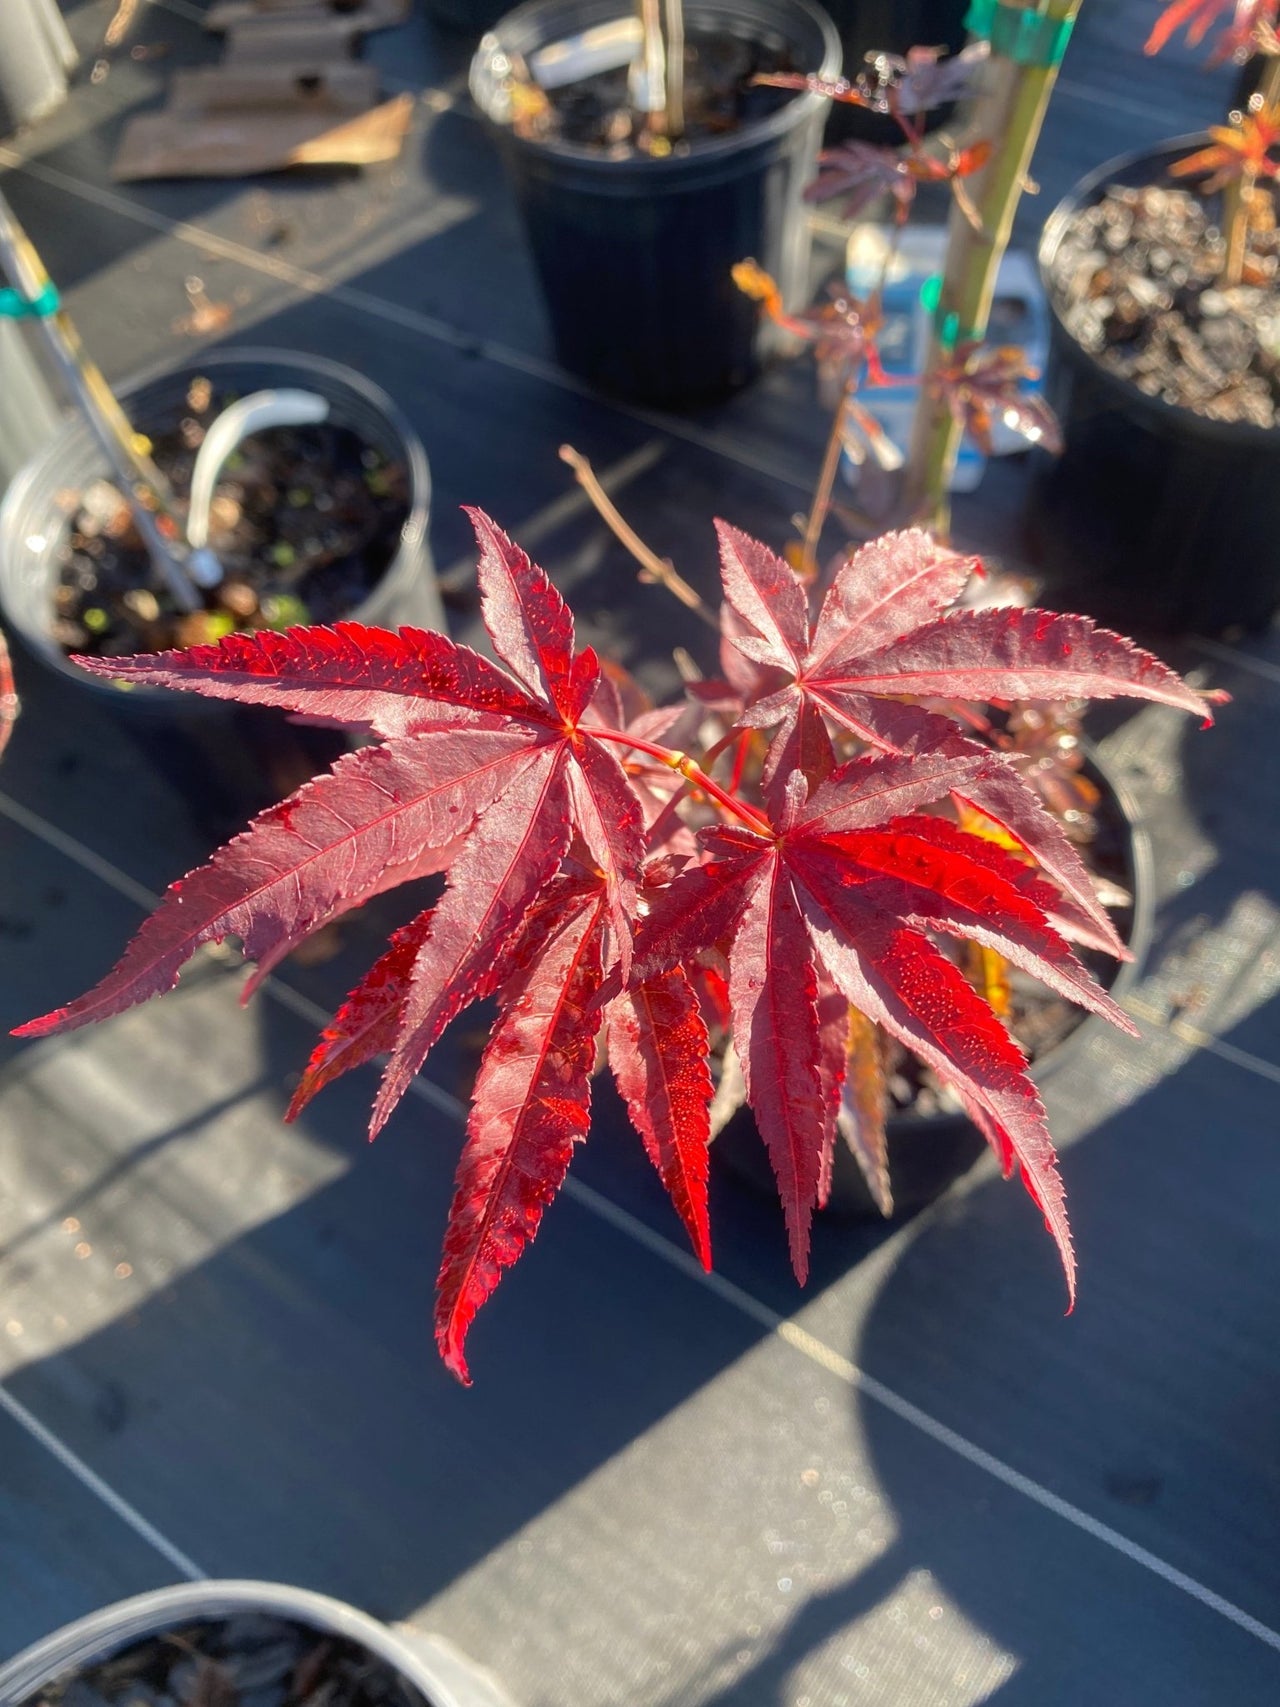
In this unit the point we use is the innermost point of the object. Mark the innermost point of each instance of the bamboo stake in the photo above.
(132, 467)
(1010, 113)
(673, 29)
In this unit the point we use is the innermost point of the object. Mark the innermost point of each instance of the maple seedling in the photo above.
(903, 88)
(603, 883)
(1239, 158)
(1251, 29)
(963, 386)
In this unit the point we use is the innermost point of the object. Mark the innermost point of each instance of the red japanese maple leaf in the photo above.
(470, 748)
(885, 632)
(489, 768)
(861, 171)
(839, 896)
(982, 386)
(1252, 28)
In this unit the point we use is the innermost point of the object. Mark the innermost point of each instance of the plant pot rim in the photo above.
(88, 1640)
(704, 150)
(75, 428)
(1142, 923)
(1174, 416)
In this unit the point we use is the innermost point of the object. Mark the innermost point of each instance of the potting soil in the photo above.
(1137, 282)
(305, 520)
(249, 1660)
(719, 96)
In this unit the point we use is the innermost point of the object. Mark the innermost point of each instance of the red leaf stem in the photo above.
(693, 773)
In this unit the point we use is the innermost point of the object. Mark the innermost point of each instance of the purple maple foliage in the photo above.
(625, 906)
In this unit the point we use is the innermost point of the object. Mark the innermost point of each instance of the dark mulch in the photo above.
(1137, 281)
(248, 1660)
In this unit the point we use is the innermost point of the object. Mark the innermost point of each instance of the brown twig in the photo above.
(821, 506)
(1010, 109)
(121, 23)
(652, 567)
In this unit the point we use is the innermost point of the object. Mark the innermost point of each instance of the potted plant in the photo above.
(645, 162)
(255, 489)
(328, 520)
(605, 884)
(1166, 367)
(1007, 72)
(215, 1640)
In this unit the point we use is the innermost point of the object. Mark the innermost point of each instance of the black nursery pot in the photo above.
(1155, 518)
(635, 254)
(928, 1153)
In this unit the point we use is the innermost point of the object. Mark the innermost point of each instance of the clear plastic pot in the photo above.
(33, 525)
(445, 1677)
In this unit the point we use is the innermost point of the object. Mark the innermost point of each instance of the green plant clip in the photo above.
(1020, 34)
(15, 306)
(947, 326)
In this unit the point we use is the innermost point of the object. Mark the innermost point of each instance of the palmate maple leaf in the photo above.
(1237, 151)
(862, 171)
(841, 899)
(982, 386)
(885, 633)
(578, 898)
(465, 741)
(1252, 28)
(487, 769)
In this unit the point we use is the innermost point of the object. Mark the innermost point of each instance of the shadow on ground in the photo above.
(1150, 1409)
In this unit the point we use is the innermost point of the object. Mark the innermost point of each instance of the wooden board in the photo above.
(224, 125)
